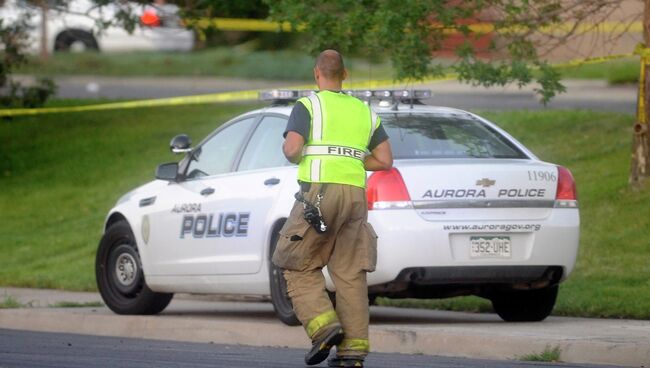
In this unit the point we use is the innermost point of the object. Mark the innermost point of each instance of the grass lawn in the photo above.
(236, 62)
(612, 276)
(618, 71)
(240, 62)
(61, 173)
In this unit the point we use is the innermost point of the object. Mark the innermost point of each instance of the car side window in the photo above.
(216, 155)
(264, 149)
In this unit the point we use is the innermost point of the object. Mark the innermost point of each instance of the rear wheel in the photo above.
(525, 305)
(279, 297)
(75, 40)
(120, 278)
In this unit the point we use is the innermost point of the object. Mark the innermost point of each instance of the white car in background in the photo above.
(74, 27)
(466, 210)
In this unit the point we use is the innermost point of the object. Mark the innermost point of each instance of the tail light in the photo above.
(386, 190)
(566, 194)
(150, 18)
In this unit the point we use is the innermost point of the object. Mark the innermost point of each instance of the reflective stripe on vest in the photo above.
(335, 151)
(317, 118)
(314, 174)
(341, 127)
(316, 134)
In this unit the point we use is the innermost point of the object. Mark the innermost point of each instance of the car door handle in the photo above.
(272, 181)
(207, 191)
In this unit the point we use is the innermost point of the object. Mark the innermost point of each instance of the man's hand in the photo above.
(381, 158)
(292, 147)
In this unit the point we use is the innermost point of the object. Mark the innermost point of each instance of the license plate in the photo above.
(490, 247)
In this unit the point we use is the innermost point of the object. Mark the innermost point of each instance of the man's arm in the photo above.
(380, 158)
(292, 146)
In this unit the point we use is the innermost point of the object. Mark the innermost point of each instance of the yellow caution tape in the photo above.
(236, 24)
(171, 101)
(247, 95)
(570, 27)
(262, 25)
(593, 60)
(251, 95)
(641, 50)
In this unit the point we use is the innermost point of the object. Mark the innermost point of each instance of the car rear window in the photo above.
(445, 136)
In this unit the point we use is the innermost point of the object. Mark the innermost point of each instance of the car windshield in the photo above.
(445, 136)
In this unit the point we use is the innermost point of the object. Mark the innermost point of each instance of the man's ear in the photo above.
(345, 75)
(316, 74)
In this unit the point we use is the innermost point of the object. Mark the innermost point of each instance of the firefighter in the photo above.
(334, 138)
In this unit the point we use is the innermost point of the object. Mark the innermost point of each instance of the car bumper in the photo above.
(438, 252)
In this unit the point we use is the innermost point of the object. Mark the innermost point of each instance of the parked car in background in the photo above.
(466, 210)
(74, 27)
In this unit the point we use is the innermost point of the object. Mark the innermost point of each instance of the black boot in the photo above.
(320, 348)
(346, 362)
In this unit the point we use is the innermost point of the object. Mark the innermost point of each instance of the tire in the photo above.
(119, 274)
(525, 305)
(75, 40)
(279, 297)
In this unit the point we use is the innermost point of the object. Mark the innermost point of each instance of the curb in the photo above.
(451, 334)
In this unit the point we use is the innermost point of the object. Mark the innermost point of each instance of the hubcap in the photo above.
(77, 46)
(126, 269)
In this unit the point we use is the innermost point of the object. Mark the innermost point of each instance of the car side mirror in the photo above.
(181, 144)
(168, 171)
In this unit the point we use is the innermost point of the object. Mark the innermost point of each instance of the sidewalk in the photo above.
(211, 319)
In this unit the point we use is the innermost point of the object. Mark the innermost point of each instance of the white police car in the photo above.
(466, 210)
(72, 26)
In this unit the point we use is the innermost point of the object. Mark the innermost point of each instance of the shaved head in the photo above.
(330, 64)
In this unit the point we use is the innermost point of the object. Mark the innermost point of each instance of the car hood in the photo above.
(152, 186)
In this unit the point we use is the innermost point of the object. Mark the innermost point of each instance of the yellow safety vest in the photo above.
(341, 129)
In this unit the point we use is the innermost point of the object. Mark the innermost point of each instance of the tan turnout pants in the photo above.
(348, 248)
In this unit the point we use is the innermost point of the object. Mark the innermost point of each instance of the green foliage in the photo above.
(551, 355)
(410, 32)
(13, 43)
(615, 71)
(10, 302)
(65, 304)
(235, 61)
(61, 173)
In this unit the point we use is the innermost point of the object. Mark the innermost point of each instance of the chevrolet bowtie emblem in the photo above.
(485, 182)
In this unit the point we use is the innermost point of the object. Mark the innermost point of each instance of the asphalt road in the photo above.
(40, 349)
(581, 94)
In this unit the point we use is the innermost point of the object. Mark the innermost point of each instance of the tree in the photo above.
(640, 167)
(13, 40)
(411, 32)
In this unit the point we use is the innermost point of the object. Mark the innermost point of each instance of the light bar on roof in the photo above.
(284, 94)
(362, 94)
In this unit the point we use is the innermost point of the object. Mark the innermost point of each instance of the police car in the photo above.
(466, 210)
(72, 26)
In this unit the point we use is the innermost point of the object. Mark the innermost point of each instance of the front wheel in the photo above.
(119, 275)
(525, 305)
(279, 297)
